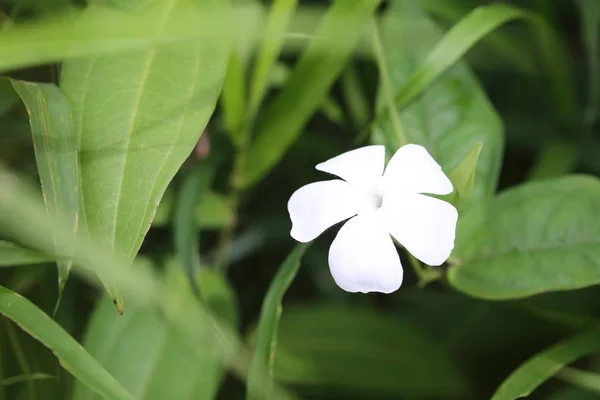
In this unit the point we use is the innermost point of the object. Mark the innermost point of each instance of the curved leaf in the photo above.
(260, 377)
(538, 237)
(544, 365)
(71, 355)
(138, 117)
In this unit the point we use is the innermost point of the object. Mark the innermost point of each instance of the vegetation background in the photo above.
(293, 83)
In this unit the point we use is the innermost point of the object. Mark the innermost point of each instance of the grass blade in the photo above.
(57, 158)
(260, 377)
(308, 85)
(546, 364)
(71, 355)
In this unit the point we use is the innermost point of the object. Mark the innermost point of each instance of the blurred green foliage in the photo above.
(506, 97)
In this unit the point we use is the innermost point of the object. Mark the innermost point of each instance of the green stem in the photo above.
(386, 86)
(583, 379)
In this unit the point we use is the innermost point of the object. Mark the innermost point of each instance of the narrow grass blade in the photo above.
(57, 158)
(543, 366)
(260, 377)
(71, 355)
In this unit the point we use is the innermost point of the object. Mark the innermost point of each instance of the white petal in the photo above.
(362, 167)
(315, 207)
(363, 258)
(413, 170)
(423, 225)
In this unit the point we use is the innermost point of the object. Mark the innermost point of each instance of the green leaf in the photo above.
(8, 97)
(277, 22)
(538, 237)
(359, 351)
(260, 377)
(590, 22)
(56, 156)
(452, 114)
(153, 359)
(212, 212)
(12, 254)
(185, 227)
(581, 378)
(138, 116)
(463, 176)
(546, 364)
(233, 98)
(308, 85)
(70, 354)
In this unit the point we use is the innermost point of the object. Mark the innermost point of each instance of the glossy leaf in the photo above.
(538, 237)
(71, 355)
(260, 377)
(56, 156)
(12, 254)
(138, 116)
(452, 113)
(150, 358)
(308, 85)
(546, 364)
(359, 351)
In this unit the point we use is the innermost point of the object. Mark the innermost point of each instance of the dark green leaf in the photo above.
(308, 85)
(260, 377)
(538, 237)
(359, 351)
(71, 355)
(544, 365)
(138, 116)
(56, 156)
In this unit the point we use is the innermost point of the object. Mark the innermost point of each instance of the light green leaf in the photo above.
(463, 176)
(451, 114)
(56, 157)
(546, 364)
(233, 99)
(359, 351)
(260, 377)
(212, 212)
(138, 117)
(279, 16)
(308, 85)
(71, 355)
(538, 237)
(581, 378)
(151, 358)
(11, 255)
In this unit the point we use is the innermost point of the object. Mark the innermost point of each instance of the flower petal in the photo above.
(317, 206)
(423, 225)
(363, 258)
(413, 170)
(362, 167)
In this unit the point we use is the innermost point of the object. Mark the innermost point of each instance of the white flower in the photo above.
(362, 257)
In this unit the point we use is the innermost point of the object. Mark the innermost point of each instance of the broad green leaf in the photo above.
(308, 85)
(71, 355)
(56, 156)
(12, 254)
(546, 364)
(185, 227)
(150, 358)
(260, 377)
(452, 113)
(538, 237)
(359, 351)
(463, 176)
(23, 217)
(138, 116)
(279, 16)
